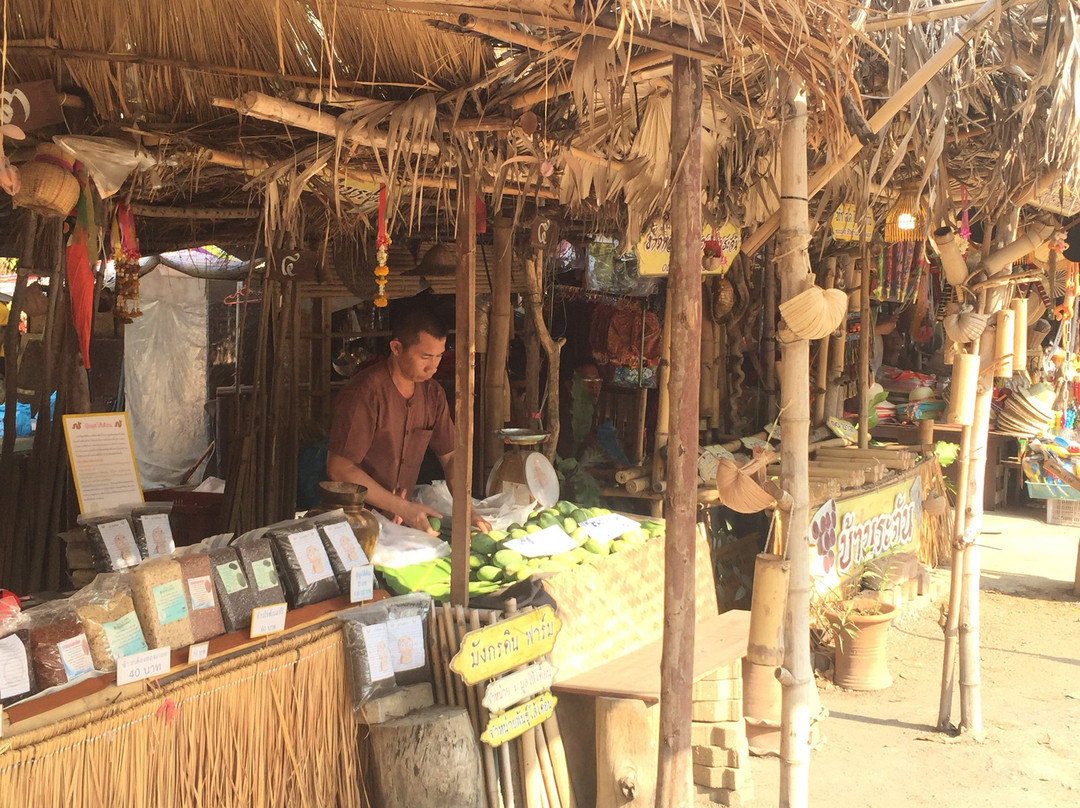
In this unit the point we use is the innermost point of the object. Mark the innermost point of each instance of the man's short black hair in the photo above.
(412, 323)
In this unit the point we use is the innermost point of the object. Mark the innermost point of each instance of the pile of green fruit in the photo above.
(490, 561)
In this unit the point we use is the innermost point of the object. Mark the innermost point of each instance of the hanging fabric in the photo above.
(125, 254)
(80, 277)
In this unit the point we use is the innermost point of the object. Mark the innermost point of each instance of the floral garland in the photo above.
(382, 249)
(126, 260)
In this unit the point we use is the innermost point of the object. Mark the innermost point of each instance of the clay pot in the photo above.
(861, 663)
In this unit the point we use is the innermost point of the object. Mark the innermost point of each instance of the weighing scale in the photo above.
(526, 473)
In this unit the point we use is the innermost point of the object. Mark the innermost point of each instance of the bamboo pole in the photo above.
(865, 337)
(952, 618)
(465, 381)
(498, 343)
(675, 788)
(768, 335)
(796, 676)
(970, 669)
(898, 101)
(491, 780)
(534, 306)
(834, 402)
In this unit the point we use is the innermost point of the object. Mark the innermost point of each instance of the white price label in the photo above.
(268, 620)
(361, 583)
(143, 665)
(549, 541)
(198, 652)
(607, 527)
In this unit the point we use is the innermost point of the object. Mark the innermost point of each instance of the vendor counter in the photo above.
(1002, 481)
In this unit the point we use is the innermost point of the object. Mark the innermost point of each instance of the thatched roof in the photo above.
(551, 100)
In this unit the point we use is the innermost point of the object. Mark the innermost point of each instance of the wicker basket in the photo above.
(48, 186)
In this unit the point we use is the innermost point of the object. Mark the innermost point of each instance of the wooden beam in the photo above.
(465, 387)
(193, 212)
(547, 90)
(504, 32)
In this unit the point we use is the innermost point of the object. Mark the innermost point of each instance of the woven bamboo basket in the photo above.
(48, 187)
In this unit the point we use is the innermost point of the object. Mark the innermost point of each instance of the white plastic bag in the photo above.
(402, 546)
(500, 510)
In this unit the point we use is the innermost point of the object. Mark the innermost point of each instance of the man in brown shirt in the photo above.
(386, 417)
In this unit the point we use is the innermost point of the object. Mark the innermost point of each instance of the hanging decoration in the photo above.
(125, 249)
(906, 221)
(83, 241)
(382, 251)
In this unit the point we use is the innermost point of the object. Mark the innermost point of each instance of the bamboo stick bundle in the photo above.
(874, 471)
(632, 473)
(849, 478)
(821, 490)
(638, 485)
(890, 459)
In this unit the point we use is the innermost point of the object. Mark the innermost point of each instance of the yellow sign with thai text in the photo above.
(848, 533)
(504, 646)
(512, 723)
(719, 246)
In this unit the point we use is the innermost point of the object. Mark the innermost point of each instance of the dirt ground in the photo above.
(881, 749)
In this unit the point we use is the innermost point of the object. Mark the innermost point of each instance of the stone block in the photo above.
(725, 734)
(718, 690)
(728, 710)
(732, 671)
(721, 777)
(727, 797)
(398, 704)
(717, 756)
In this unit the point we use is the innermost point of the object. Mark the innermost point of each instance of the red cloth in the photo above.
(80, 279)
(386, 434)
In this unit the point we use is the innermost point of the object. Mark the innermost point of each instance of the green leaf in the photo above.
(946, 453)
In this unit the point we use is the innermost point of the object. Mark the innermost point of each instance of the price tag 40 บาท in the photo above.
(143, 665)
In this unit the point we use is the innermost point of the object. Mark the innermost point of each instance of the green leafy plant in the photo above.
(575, 477)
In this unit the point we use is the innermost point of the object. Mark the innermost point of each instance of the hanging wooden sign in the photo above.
(31, 105)
(292, 265)
(719, 247)
(515, 722)
(503, 646)
(544, 233)
(515, 687)
(844, 226)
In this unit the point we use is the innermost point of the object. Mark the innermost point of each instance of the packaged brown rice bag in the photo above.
(203, 608)
(108, 615)
(58, 645)
(367, 653)
(407, 628)
(157, 588)
(16, 670)
(342, 547)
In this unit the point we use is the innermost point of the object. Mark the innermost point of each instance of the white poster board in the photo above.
(102, 461)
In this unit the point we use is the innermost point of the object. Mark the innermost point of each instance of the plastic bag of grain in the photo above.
(203, 608)
(367, 653)
(342, 547)
(236, 597)
(302, 560)
(407, 628)
(153, 530)
(58, 645)
(112, 541)
(157, 587)
(258, 560)
(108, 616)
(16, 671)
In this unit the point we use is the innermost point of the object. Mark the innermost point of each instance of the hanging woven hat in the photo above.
(439, 261)
(47, 185)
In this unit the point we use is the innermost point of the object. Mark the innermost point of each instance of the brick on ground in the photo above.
(732, 671)
(716, 756)
(721, 777)
(729, 798)
(725, 734)
(718, 689)
(712, 711)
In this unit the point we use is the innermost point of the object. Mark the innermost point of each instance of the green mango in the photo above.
(519, 533)
(533, 528)
(435, 522)
(569, 525)
(550, 520)
(488, 573)
(578, 515)
(565, 507)
(506, 558)
(596, 547)
(483, 544)
(476, 561)
(580, 535)
(565, 558)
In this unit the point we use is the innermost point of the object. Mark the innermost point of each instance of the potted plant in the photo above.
(859, 624)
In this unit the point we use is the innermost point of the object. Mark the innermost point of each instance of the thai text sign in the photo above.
(719, 247)
(849, 532)
(512, 723)
(496, 649)
(515, 687)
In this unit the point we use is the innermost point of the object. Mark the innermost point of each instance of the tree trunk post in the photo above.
(866, 337)
(498, 344)
(675, 787)
(792, 243)
(465, 383)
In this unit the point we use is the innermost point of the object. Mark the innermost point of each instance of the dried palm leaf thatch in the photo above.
(205, 739)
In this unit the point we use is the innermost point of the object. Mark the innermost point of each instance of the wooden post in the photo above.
(532, 375)
(793, 240)
(952, 618)
(498, 343)
(675, 788)
(534, 306)
(663, 380)
(464, 358)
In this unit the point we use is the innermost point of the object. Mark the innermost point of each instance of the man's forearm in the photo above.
(344, 470)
